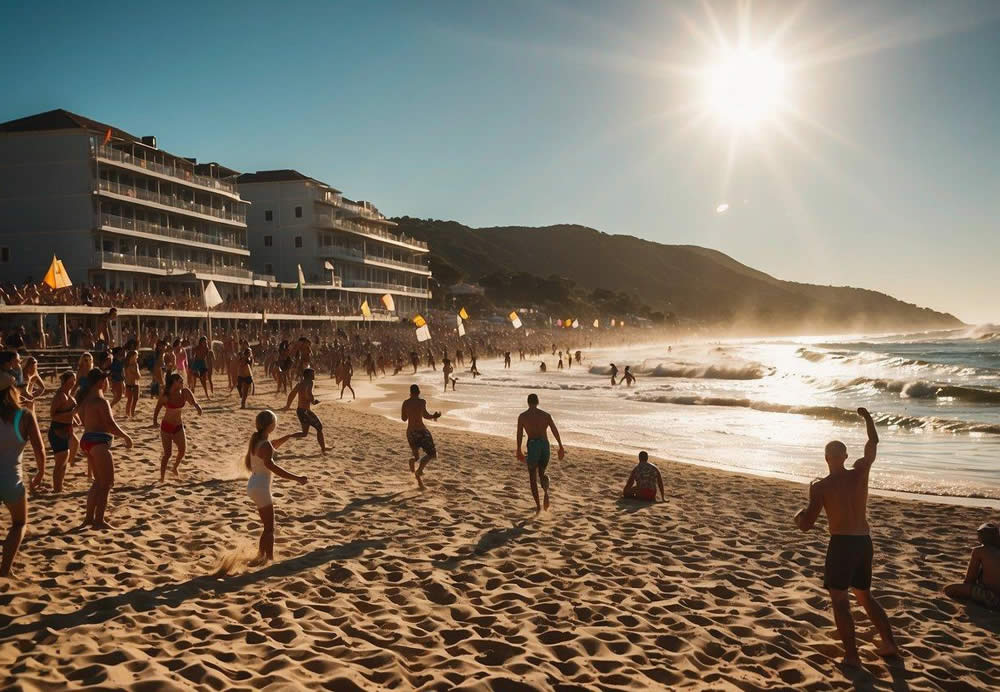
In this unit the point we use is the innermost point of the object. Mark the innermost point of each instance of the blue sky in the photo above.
(534, 113)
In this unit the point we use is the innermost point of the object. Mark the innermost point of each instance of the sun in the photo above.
(745, 88)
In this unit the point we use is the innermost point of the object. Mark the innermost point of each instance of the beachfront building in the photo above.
(298, 221)
(117, 210)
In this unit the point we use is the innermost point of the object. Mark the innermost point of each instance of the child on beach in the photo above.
(260, 462)
(307, 417)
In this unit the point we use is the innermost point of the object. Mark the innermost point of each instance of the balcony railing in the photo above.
(170, 265)
(112, 154)
(361, 283)
(351, 253)
(169, 200)
(167, 232)
(334, 222)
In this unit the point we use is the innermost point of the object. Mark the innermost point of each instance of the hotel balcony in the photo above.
(352, 255)
(133, 228)
(329, 221)
(129, 193)
(165, 266)
(174, 172)
(390, 288)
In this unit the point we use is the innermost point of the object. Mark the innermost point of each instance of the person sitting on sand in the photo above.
(982, 578)
(844, 495)
(18, 427)
(175, 396)
(419, 438)
(99, 429)
(536, 422)
(643, 481)
(260, 462)
(307, 417)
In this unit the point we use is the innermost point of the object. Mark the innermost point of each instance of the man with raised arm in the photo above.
(536, 422)
(843, 493)
(414, 412)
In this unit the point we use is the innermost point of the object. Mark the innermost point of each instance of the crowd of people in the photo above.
(177, 365)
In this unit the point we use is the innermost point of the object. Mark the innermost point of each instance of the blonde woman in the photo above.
(260, 462)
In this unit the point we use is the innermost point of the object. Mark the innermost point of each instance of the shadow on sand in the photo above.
(492, 539)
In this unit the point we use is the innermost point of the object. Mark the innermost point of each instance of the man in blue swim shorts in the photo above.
(536, 422)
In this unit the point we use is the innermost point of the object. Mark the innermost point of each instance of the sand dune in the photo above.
(377, 585)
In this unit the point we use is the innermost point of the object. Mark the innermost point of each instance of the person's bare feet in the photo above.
(546, 505)
(419, 476)
(888, 650)
(261, 559)
(103, 526)
(413, 467)
(851, 662)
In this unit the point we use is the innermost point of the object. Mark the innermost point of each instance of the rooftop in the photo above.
(280, 175)
(60, 119)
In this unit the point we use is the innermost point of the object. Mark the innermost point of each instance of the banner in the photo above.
(515, 320)
(463, 314)
(57, 277)
(365, 310)
(389, 303)
(423, 333)
(212, 297)
(419, 321)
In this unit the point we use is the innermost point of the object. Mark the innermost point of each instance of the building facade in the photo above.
(119, 212)
(295, 220)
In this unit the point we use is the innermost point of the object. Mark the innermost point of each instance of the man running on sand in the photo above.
(307, 417)
(536, 422)
(417, 435)
(844, 496)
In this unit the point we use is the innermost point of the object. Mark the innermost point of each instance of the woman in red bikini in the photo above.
(175, 395)
(99, 429)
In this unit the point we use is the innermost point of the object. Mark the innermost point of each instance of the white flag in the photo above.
(212, 297)
(461, 328)
(423, 333)
(302, 277)
(389, 303)
(576, 324)
(515, 321)
(596, 324)
(328, 266)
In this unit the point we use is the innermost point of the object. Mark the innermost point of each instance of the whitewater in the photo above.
(767, 406)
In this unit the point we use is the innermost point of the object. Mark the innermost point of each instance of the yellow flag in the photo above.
(463, 314)
(56, 276)
(419, 321)
(365, 310)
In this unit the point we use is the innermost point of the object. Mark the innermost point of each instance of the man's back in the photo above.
(414, 410)
(535, 422)
(990, 557)
(845, 499)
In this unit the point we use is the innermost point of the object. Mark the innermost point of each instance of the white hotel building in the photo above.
(119, 212)
(297, 220)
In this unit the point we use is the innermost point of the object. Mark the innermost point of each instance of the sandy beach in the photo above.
(378, 585)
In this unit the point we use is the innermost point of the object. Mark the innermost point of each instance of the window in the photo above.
(298, 241)
(268, 215)
(4, 254)
(298, 212)
(269, 269)
(268, 241)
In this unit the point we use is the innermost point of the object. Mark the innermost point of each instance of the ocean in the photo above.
(767, 406)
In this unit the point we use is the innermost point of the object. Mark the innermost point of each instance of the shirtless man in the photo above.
(200, 366)
(614, 374)
(536, 422)
(303, 409)
(447, 369)
(414, 412)
(346, 373)
(244, 376)
(982, 578)
(844, 495)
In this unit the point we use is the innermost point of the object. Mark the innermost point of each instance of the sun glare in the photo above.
(745, 89)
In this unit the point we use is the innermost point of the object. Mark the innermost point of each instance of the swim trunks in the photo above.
(645, 494)
(199, 367)
(59, 437)
(308, 418)
(421, 439)
(985, 596)
(117, 370)
(132, 389)
(538, 454)
(849, 563)
(93, 439)
(240, 379)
